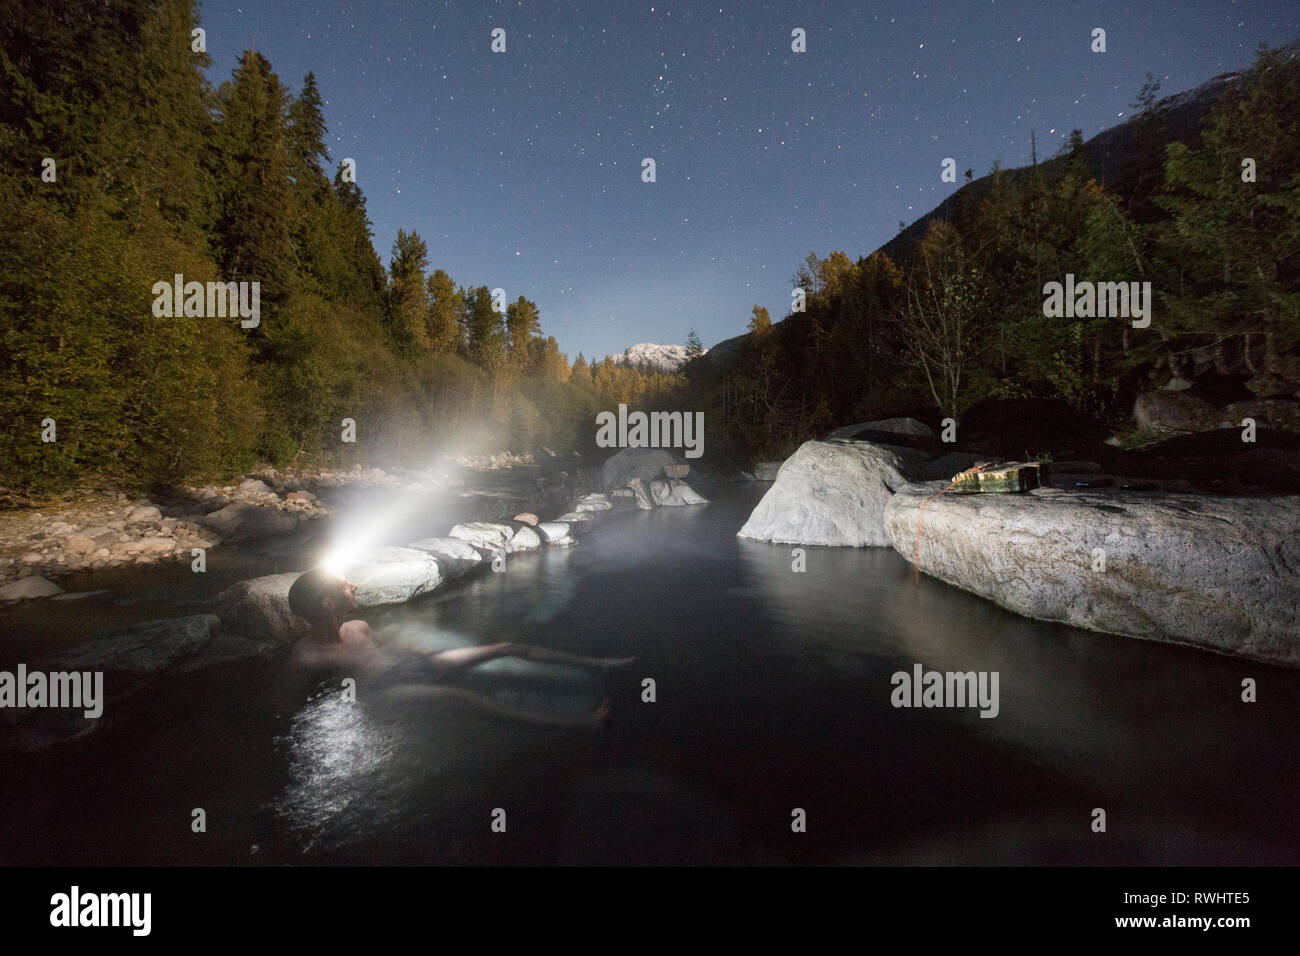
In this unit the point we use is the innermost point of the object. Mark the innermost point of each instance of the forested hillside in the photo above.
(121, 167)
(951, 311)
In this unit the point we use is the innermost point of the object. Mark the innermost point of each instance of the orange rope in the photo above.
(921, 514)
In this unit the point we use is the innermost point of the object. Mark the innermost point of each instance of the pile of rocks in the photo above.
(645, 478)
(499, 460)
(390, 575)
(112, 531)
(97, 535)
(252, 620)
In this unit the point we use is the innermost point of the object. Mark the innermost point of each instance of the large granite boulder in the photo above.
(1282, 414)
(829, 493)
(392, 575)
(1219, 573)
(643, 463)
(259, 609)
(491, 536)
(454, 556)
(243, 521)
(882, 430)
(1174, 413)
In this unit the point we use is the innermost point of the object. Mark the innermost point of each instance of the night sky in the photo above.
(523, 169)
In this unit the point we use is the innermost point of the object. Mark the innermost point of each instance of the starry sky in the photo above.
(523, 169)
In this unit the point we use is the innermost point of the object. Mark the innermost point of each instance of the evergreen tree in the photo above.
(408, 303)
(484, 330)
(1232, 246)
(361, 277)
(694, 347)
(444, 306)
(253, 179)
(523, 324)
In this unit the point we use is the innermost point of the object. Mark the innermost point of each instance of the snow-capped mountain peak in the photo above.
(669, 358)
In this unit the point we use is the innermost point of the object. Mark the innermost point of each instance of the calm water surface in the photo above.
(773, 693)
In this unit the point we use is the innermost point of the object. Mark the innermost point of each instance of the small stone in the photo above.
(79, 544)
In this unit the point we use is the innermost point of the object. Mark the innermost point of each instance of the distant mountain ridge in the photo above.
(666, 358)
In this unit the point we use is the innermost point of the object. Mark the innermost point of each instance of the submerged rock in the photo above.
(106, 671)
(225, 649)
(829, 493)
(143, 649)
(32, 586)
(767, 470)
(392, 575)
(1218, 573)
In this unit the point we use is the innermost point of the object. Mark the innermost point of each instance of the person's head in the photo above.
(322, 598)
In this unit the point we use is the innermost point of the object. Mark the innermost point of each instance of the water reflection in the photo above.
(336, 751)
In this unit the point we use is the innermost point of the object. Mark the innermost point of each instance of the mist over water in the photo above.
(773, 693)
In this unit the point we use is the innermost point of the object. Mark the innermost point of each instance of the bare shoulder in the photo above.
(355, 632)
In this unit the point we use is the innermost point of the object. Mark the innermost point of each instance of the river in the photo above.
(772, 696)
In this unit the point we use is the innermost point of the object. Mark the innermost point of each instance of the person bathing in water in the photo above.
(325, 600)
